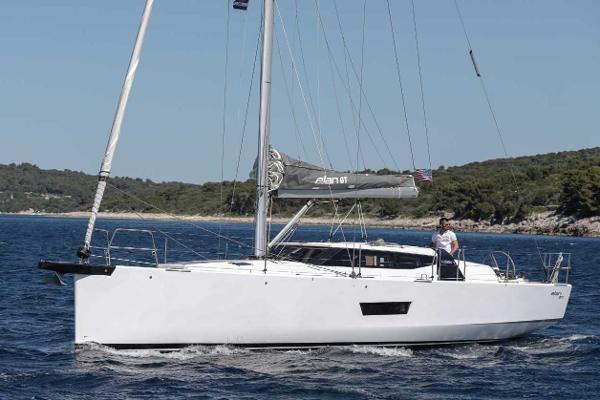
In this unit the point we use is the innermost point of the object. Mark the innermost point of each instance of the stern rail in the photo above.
(554, 263)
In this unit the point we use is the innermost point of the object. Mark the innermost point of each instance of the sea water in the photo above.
(38, 361)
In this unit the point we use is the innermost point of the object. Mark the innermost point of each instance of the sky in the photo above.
(62, 65)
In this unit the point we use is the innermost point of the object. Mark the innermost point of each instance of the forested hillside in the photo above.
(501, 191)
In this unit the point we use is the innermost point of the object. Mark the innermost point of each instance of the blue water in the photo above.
(38, 361)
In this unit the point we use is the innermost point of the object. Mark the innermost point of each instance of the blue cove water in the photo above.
(38, 361)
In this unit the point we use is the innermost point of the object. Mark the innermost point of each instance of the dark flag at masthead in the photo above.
(240, 4)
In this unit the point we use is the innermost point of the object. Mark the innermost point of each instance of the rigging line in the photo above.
(330, 54)
(354, 232)
(332, 232)
(243, 48)
(168, 236)
(412, 155)
(307, 99)
(537, 246)
(347, 75)
(354, 110)
(318, 143)
(347, 56)
(339, 110)
(242, 60)
(317, 267)
(341, 120)
(360, 85)
(165, 234)
(310, 116)
(317, 110)
(308, 112)
(301, 46)
(224, 119)
(178, 218)
(302, 63)
(297, 43)
(297, 131)
(358, 219)
(341, 229)
(304, 97)
(269, 226)
(280, 257)
(487, 97)
(239, 157)
(361, 122)
(362, 222)
(493, 114)
(462, 23)
(414, 18)
(489, 103)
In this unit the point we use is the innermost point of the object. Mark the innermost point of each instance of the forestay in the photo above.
(295, 179)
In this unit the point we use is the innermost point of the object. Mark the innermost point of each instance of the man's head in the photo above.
(444, 224)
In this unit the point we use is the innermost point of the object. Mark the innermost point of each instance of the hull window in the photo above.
(386, 308)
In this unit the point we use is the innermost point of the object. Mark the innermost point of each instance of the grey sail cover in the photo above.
(294, 179)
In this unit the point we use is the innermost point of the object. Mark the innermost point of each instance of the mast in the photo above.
(84, 251)
(262, 190)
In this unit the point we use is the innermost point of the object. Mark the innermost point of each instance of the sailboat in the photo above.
(298, 294)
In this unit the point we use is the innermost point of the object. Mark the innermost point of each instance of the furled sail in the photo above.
(294, 179)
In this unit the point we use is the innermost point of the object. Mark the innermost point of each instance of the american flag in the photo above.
(240, 4)
(423, 174)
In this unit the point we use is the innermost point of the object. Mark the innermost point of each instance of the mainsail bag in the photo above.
(294, 179)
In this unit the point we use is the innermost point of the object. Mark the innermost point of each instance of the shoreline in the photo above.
(546, 224)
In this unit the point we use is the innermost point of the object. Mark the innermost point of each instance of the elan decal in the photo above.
(331, 180)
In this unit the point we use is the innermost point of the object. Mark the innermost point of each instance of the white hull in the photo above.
(299, 302)
(159, 307)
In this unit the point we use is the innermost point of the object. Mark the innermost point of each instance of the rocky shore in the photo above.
(537, 224)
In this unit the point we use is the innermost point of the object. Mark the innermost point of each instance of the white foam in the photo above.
(382, 351)
(185, 353)
(576, 337)
(469, 352)
(552, 344)
(298, 351)
(544, 346)
(225, 350)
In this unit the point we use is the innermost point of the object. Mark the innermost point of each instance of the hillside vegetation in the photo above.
(500, 191)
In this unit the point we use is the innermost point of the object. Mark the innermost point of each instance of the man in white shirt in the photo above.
(444, 238)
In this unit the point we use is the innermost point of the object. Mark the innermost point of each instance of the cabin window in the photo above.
(394, 260)
(346, 257)
(371, 261)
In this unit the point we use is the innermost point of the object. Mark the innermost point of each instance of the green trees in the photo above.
(580, 194)
(389, 209)
(498, 191)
